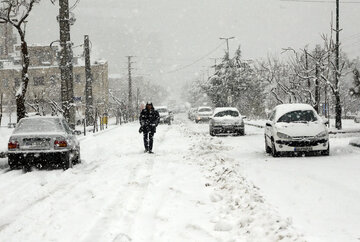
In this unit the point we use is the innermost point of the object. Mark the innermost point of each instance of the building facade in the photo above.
(43, 90)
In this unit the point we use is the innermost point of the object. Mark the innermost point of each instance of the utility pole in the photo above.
(130, 104)
(66, 65)
(338, 124)
(89, 110)
(137, 99)
(227, 44)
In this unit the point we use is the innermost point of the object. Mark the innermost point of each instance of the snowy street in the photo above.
(194, 188)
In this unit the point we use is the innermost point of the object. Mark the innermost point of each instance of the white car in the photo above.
(357, 118)
(165, 115)
(227, 120)
(43, 141)
(203, 114)
(296, 128)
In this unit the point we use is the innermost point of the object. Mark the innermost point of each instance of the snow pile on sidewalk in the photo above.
(240, 210)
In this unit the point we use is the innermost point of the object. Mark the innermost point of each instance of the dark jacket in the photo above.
(149, 119)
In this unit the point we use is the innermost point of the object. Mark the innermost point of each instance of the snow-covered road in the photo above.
(194, 188)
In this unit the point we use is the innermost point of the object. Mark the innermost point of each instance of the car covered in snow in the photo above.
(203, 114)
(227, 120)
(192, 113)
(165, 114)
(43, 141)
(296, 128)
(357, 118)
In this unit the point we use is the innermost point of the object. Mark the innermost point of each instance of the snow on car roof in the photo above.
(217, 110)
(285, 108)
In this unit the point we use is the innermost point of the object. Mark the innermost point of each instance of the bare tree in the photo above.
(15, 12)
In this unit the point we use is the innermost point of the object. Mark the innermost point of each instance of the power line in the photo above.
(317, 1)
(196, 61)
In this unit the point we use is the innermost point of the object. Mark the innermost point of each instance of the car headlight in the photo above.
(322, 134)
(283, 136)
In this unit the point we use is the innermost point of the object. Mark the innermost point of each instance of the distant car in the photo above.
(192, 113)
(171, 113)
(357, 118)
(296, 128)
(203, 114)
(43, 141)
(227, 120)
(165, 115)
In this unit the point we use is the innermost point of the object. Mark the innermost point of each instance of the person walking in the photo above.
(149, 120)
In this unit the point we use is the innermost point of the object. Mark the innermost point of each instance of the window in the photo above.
(77, 78)
(227, 113)
(39, 81)
(52, 80)
(5, 83)
(300, 116)
(205, 110)
(17, 82)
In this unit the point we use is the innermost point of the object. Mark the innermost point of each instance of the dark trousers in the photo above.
(148, 140)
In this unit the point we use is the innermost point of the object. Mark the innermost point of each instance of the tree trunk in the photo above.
(20, 95)
(317, 90)
(66, 66)
(338, 123)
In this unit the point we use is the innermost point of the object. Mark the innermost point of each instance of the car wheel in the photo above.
(274, 153)
(13, 161)
(66, 161)
(326, 152)
(77, 160)
(267, 148)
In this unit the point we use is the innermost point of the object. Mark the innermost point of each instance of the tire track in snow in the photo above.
(119, 215)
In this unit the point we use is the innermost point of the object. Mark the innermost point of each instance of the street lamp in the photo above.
(227, 43)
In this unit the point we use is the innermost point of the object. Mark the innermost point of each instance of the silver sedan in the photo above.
(43, 141)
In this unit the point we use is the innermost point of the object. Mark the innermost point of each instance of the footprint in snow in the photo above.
(222, 226)
(214, 197)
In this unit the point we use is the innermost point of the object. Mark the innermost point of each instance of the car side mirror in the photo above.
(268, 124)
(244, 117)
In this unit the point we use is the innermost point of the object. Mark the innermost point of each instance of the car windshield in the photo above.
(205, 110)
(300, 116)
(227, 113)
(162, 110)
(39, 125)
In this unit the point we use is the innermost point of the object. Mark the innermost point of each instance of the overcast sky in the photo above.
(165, 35)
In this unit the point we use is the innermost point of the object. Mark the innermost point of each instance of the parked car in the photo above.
(203, 114)
(165, 115)
(227, 120)
(192, 113)
(357, 118)
(43, 141)
(296, 128)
